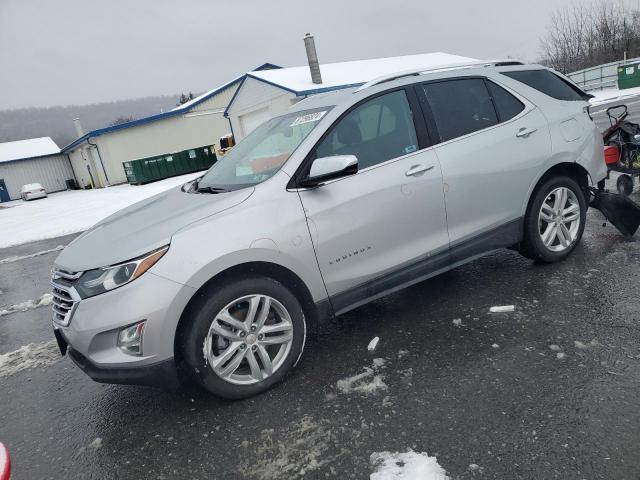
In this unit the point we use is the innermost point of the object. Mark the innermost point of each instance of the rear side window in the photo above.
(506, 104)
(549, 83)
(460, 107)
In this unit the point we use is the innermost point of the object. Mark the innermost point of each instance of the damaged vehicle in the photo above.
(347, 197)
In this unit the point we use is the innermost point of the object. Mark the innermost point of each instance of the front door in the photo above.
(492, 147)
(4, 194)
(384, 226)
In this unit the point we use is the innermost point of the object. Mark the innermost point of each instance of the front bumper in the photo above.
(91, 336)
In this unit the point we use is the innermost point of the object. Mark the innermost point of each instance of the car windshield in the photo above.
(262, 153)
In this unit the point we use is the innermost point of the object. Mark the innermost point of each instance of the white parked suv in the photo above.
(345, 198)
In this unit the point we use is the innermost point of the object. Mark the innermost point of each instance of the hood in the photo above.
(142, 227)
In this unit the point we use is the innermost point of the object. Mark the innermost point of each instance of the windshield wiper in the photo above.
(211, 190)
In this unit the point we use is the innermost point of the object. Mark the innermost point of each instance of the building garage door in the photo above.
(250, 121)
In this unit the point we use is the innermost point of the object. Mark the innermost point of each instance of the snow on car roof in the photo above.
(32, 147)
(342, 74)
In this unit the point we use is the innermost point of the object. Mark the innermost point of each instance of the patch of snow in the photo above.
(474, 466)
(373, 344)
(612, 94)
(31, 255)
(402, 353)
(495, 345)
(560, 355)
(295, 450)
(409, 465)
(357, 72)
(74, 211)
(366, 382)
(555, 348)
(32, 147)
(457, 322)
(43, 301)
(502, 308)
(29, 356)
(96, 444)
(378, 362)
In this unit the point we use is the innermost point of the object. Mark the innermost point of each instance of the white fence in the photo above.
(602, 76)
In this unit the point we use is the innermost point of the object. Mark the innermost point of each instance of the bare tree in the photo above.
(583, 35)
(121, 120)
(184, 98)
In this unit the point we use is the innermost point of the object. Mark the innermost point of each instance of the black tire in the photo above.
(532, 245)
(194, 332)
(624, 184)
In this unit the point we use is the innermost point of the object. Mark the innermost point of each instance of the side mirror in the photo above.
(324, 169)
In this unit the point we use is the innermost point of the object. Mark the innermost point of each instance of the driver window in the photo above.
(376, 131)
(460, 107)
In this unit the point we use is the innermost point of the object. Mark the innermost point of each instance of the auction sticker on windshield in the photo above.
(309, 117)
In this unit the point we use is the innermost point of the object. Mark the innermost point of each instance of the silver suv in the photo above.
(347, 197)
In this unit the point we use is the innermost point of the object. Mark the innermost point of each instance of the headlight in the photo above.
(100, 280)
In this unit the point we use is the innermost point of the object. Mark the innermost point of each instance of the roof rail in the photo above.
(440, 68)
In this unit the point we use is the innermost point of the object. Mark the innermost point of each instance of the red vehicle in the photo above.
(5, 463)
(623, 153)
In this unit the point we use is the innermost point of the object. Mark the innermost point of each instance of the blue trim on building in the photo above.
(161, 116)
(226, 110)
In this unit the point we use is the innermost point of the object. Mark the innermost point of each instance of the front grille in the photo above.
(65, 297)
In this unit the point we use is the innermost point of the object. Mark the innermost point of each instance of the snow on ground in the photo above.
(17, 258)
(44, 301)
(611, 94)
(29, 356)
(73, 211)
(406, 466)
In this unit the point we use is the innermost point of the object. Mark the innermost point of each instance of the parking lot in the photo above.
(548, 391)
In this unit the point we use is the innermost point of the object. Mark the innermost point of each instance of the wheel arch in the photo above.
(569, 169)
(260, 268)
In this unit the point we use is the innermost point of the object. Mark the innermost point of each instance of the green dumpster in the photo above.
(629, 76)
(150, 169)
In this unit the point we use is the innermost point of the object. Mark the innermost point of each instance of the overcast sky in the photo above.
(60, 52)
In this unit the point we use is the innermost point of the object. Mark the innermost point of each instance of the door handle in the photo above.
(416, 169)
(525, 132)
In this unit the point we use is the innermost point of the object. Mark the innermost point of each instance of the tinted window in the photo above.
(376, 131)
(506, 104)
(460, 107)
(548, 83)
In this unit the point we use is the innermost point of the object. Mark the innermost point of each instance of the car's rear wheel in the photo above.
(243, 338)
(555, 220)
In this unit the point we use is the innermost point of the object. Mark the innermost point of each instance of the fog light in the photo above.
(130, 339)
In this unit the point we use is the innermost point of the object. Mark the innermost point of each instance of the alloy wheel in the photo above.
(249, 339)
(559, 219)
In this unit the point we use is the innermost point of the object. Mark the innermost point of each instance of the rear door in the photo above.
(492, 145)
(386, 225)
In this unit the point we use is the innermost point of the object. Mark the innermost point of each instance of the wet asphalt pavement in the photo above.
(490, 391)
(551, 390)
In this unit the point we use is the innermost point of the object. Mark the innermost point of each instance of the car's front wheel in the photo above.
(555, 220)
(242, 338)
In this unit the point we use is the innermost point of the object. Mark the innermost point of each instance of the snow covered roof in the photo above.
(185, 107)
(349, 74)
(30, 148)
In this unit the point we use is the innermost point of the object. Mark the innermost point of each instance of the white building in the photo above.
(267, 93)
(36, 160)
(97, 156)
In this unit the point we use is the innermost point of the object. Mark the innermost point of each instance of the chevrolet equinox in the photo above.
(347, 197)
